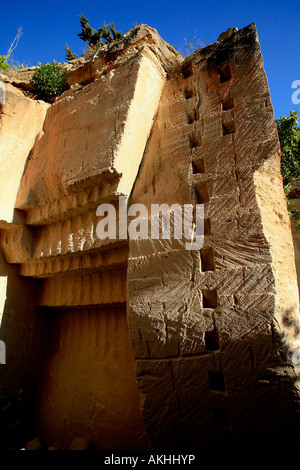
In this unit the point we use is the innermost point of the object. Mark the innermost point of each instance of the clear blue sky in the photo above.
(47, 26)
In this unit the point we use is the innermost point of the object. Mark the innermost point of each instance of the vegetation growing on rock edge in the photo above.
(69, 54)
(49, 80)
(289, 137)
(3, 63)
(4, 58)
(94, 37)
(107, 34)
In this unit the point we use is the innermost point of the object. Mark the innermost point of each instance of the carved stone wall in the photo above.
(206, 360)
(206, 325)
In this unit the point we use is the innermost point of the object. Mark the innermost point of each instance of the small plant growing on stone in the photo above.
(191, 45)
(289, 137)
(106, 33)
(3, 63)
(69, 54)
(49, 81)
(95, 38)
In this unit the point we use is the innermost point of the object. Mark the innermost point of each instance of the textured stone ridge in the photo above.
(126, 342)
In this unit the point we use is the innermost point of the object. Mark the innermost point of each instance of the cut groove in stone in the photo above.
(189, 93)
(216, 380)
(207, 227)
(225, 73)
(193, 116)
(201, 193)
(211, 339)
(198, 166)
(210, 298)
(188, 70)
(228, 104)
(195, 140)
(222, 56)
(207, 259)
(229, 128)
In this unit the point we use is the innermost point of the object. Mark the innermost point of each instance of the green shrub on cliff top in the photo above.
(49, 80)
(289, 137)
(3, 63)
(94, 37)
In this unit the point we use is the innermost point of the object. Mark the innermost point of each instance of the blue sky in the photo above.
(47, 26)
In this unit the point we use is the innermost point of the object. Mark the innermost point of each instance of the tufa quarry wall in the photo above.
(138, 344)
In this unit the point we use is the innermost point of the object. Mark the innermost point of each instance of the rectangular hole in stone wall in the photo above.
(207, 227)
(207, 259)
(193, 116)
(201, 193)
(225, 73)
(222, 417)
(216, 380)
(222, 56)
(189, 93)
(228, 104)
(228, 128)
(195, 140)
(210, 298)
(187, 70)
(198, 166)
(211, 339)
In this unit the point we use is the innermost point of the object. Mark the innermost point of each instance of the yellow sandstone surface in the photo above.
(129, 344)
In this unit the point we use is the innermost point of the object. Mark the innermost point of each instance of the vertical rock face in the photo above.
(87, 152)
(87, 382)
(21, 121)
(206, 324)
(211, 329)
